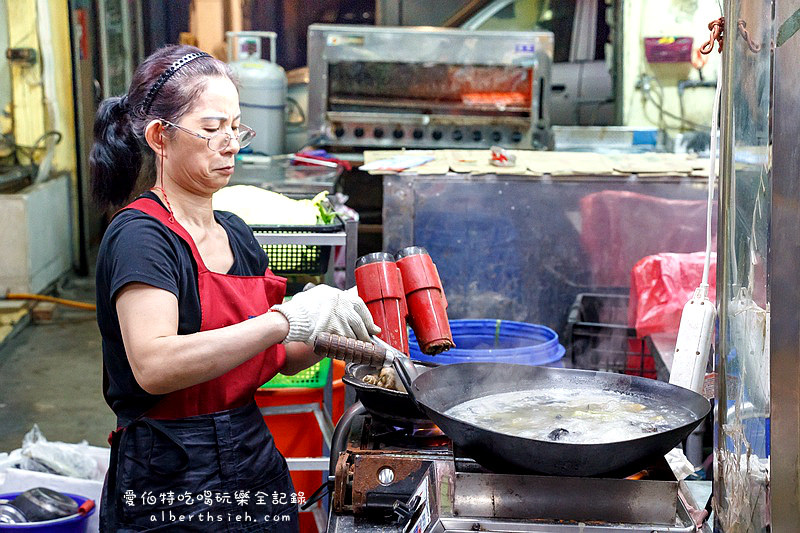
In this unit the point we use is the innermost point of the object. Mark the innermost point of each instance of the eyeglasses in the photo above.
(219, 141)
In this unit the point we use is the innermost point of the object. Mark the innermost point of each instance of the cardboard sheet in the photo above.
(568, 163)
(539, 163)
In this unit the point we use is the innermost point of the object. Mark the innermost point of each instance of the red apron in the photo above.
(224, 300)
(211, 436)
(208, 437)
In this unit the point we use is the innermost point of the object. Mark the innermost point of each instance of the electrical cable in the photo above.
(42, 298)
(29, 151)
(659, 105)
(696, 329)
(712, 176)
(682, 111)
(662, 124)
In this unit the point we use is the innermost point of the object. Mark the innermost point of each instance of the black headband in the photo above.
(172, 69)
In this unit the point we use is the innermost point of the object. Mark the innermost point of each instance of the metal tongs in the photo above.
(402, 364)
(377, 354)
(391, 352)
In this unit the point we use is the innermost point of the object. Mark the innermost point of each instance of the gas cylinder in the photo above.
(262, 89)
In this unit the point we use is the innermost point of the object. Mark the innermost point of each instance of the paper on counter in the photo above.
(397, 163)
(438, 165)
(479, 162)
(465, 161)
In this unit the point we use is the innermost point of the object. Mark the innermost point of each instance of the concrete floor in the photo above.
(51, 375)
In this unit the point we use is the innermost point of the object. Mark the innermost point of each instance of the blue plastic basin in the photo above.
(69, 524)
(502, 341)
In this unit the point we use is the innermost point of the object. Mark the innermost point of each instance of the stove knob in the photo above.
(457, 135)
(436, 135)
(378, 133)
(385, 476)
(358, 132)
(477, 136)
(397, 134)
(497, 136)
(418, 133)
(339, 131)
(516, 137)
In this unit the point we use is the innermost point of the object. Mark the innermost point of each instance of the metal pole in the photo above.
(723, 265)
(350, 251)
(784, 251)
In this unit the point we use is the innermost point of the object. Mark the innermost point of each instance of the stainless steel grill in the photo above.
(429, 87)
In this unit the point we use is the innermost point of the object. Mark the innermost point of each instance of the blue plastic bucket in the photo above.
(501, 341)
(69, 524)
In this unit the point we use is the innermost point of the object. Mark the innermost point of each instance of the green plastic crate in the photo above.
(312, 377)
(293, 259)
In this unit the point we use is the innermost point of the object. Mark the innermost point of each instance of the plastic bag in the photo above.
(10, 460)
(61, 458)
(619, 228)
(660, 287)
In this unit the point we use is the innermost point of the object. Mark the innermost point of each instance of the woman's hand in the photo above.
(326, 309)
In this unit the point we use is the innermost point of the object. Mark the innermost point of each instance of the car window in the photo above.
(558, 18)
(521, 15)
(525, 15)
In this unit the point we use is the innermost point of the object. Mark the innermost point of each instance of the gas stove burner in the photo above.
(431, 431)
(428, 436)
(379, 435)
(385, 467)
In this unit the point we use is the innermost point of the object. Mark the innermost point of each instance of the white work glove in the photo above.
(325, 309)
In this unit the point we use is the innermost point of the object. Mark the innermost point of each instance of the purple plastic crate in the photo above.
(668, 49)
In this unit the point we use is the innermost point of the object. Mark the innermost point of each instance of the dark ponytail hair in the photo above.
(121, 163)
(116, 155)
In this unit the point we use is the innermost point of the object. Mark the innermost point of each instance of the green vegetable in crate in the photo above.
(257, 207)
(325, 212)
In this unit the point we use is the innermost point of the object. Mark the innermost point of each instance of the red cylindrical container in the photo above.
(427, 305)
(381, 287)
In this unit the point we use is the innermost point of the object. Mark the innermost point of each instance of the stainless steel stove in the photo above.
(412, 480)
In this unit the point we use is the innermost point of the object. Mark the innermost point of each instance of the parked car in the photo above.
(582, 81)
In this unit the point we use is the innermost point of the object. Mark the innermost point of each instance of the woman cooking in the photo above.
(183, 304)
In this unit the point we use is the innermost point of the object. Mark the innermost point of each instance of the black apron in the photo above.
(219, 472)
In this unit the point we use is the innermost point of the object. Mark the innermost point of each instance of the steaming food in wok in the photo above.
(578, 417)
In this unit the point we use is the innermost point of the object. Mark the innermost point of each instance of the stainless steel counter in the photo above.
(522, 247)
(698, 491)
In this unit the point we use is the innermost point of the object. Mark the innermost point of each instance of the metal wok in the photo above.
(446, 386)
(387, 404)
